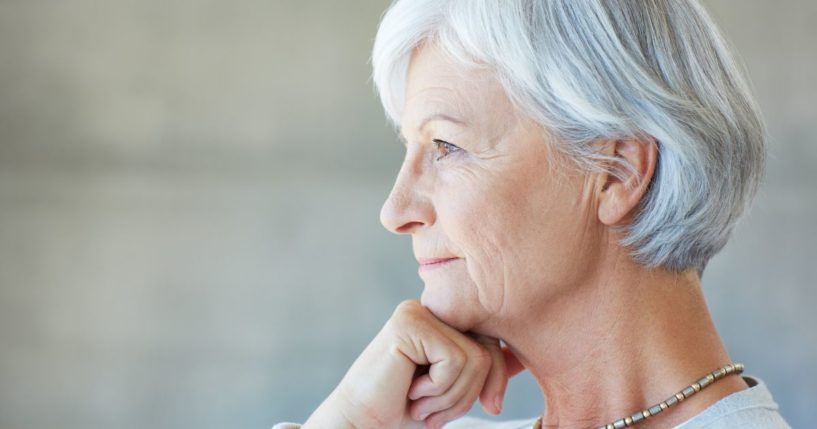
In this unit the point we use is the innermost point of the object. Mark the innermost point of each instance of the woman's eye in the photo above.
(444, 148)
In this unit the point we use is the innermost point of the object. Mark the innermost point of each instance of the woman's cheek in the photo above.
(468, 222)
(489, 270)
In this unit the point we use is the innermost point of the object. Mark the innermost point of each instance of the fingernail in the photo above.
(498, 403)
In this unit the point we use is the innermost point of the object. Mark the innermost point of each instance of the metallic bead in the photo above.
(688, 391)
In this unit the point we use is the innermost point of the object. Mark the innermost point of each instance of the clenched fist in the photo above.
(418, 372)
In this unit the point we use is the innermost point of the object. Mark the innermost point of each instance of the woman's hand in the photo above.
(418, 372)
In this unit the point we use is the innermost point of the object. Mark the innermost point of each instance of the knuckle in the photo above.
(447, 401)
(408, 308)
(408, 304)
(481, 357)
(437, 389)
(405, 314)
(458, 358)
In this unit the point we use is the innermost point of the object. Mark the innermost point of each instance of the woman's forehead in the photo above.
(437, 86)
(431, 69)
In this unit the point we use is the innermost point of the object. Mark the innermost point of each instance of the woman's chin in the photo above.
(451, 308)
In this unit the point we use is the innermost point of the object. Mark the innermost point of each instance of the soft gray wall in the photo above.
(189, 197)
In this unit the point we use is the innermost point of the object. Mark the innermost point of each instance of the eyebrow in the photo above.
(433, 117)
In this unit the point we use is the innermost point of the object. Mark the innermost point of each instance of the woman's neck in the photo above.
(624, 341)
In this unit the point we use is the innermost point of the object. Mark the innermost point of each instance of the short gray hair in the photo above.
(610, 69)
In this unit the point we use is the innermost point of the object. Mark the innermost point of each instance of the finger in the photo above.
(494, 389)
(440, 377)
(457, 410)
(465, 388)
(443, 355)
(513, 365)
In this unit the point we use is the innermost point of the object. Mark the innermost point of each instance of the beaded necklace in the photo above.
(640, 416)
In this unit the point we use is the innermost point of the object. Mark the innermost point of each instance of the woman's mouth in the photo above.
(433, 263)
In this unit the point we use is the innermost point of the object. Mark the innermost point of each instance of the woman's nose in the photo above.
(408, 206)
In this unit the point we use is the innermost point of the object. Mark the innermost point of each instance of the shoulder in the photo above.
(752, 408)
(474, 423)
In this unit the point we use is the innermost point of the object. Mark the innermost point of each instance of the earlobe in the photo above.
(620, 195)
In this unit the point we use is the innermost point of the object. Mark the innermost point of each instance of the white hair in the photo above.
(610, 69)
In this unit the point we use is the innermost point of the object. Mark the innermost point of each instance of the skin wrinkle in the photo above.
(557, 64)
(563, 389)
(494, 149)
(483, 299)
(487, 162)
(505, 270)
(539, 269)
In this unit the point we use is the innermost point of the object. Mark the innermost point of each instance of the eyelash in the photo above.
(449, 148)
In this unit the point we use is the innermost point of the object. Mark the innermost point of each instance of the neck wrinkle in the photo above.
(621, 343)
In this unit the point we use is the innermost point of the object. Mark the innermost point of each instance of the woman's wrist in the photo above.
(330, 414)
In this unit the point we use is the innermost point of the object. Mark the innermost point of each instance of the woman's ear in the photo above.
(619, 196)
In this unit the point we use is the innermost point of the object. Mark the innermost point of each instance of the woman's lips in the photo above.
(432, 263)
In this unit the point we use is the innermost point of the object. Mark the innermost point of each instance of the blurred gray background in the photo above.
(189, 198)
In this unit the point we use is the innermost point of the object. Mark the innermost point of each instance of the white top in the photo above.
(752, 408)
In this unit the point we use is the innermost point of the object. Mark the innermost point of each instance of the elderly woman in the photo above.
(570, 168)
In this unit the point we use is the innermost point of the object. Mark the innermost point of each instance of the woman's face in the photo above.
(477, 185)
